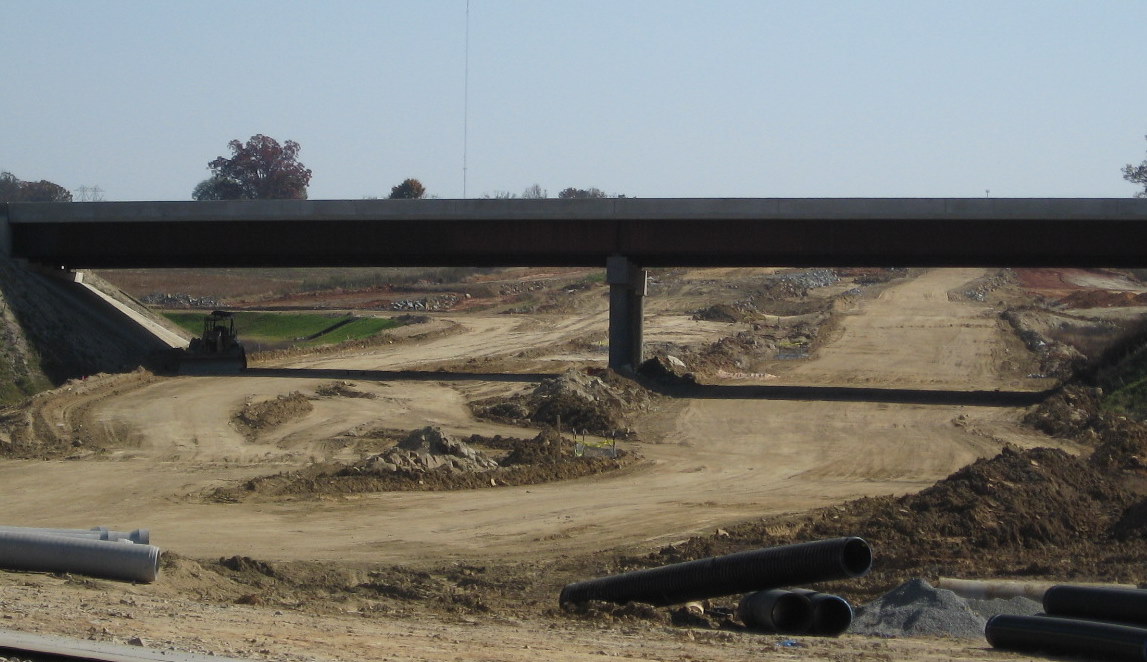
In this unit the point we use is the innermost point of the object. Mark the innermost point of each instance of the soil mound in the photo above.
(1077, 412)
(257, 416)
(428, 449)
(1103, 299)
(1122, 446)
(1018, 499)
(1068, 413)
(342, 390)
(573, 400)
(720, 312)
(428, 460)
(1039, 512)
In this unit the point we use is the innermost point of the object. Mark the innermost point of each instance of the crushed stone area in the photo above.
(917, 609)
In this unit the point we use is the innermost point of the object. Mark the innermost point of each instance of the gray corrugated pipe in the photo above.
(743, 572)
(54, 553)
(141, 536)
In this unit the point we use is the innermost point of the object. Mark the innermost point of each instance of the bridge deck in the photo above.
(1077, 232)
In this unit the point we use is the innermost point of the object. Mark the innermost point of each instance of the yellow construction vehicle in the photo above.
(217, 350)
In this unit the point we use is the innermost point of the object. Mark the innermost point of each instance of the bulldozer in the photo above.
(217, 350)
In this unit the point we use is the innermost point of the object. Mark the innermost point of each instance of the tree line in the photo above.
(262, 169)
(14, 189)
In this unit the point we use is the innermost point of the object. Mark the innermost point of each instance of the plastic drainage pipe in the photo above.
(1066, 636)
(1126, 605)
(141, 536)
(831, 614)
(98, 558)
(744, 572)
(777, 610)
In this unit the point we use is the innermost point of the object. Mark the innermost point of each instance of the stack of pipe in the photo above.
(1099, 622)
(796, 611)
(98, 552)
(759, 572)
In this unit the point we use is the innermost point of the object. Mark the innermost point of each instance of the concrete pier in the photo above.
(627, 290)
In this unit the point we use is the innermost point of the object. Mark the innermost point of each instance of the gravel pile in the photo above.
(916, 609)
(428, 449)
(812, 278)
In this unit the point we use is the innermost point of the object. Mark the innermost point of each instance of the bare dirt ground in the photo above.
(708, 462)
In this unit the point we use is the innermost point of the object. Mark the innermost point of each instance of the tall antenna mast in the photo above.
(466, 104)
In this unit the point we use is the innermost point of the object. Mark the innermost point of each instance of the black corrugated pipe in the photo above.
(744, 572)
(1067, 636)
(831, 614)
(1125, 605)
(776, 610)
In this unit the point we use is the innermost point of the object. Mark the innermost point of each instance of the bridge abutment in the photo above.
(627, 289)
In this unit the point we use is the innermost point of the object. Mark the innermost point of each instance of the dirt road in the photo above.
(708, 461)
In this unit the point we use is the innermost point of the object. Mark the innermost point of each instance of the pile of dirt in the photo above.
(342, 389)
(720, 312)
(1077, 412)
(427, 460)
(872, 275)
(1069, 412)
(426, 450)
(326, 587)
(1056, 358)
(255, 417)
(752, 350)
(1039, 512)
(592, 403)
(666, 371)
(1103, 299)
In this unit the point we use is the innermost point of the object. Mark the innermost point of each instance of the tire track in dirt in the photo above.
(715, 461)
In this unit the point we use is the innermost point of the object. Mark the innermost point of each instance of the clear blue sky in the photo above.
(661, 98)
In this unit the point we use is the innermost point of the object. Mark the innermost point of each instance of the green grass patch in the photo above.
(363, 327)
(287, 329)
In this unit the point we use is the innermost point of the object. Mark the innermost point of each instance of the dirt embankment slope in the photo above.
(54, 330)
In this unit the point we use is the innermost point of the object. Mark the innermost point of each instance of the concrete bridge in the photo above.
(625, 235)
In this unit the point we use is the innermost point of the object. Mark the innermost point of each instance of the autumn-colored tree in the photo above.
(409, 189)
(13, 189)
(261, 169)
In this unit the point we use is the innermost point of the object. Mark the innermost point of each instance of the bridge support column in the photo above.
(627, 288)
